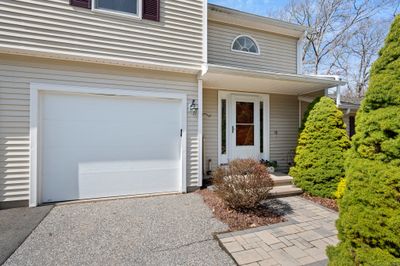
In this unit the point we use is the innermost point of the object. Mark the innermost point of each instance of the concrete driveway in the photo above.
(165, 230)
(16, 225)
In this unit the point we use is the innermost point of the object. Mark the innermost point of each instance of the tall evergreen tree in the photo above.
(319, 160)
(369, 222)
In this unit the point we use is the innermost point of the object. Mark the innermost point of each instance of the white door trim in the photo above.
(35, 153)
(265, 98)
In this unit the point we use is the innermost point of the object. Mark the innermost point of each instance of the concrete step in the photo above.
(282, 180)
(285, 191)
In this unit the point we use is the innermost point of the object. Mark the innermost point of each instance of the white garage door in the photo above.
(100, 146)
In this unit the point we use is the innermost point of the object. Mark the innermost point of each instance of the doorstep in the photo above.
(283, 186)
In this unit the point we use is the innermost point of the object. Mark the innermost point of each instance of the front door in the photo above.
(245, 127)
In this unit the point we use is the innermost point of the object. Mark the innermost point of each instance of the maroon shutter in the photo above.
(151, 10)
(81, 3)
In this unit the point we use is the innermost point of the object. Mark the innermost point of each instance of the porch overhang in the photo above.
(247, 80)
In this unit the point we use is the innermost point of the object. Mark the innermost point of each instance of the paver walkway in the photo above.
(301, 240)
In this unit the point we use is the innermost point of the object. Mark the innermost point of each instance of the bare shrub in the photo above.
(242, 184)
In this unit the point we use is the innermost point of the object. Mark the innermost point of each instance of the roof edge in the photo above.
(236, 17)
(274, 75)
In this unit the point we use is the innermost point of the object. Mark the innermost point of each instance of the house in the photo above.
(349, 106)
(105, 98)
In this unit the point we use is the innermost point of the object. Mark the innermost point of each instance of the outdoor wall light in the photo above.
(193, 107)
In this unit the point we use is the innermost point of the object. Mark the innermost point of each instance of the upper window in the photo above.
(245, 44)
(123, 6)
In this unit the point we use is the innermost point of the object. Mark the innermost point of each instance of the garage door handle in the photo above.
(181, 133)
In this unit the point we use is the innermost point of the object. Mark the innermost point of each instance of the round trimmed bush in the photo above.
(243, 183)
(369, 219)
(320, 152)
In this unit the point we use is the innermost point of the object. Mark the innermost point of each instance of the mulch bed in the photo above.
(328, 203)
(239, 220)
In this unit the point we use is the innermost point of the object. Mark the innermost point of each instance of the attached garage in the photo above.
(93, 143)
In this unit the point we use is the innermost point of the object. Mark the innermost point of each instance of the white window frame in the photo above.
(120, 13)
(244, 52)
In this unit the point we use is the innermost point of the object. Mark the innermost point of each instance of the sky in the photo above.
(259, 7)
(264, 7)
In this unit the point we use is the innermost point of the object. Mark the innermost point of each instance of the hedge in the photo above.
(369, 219)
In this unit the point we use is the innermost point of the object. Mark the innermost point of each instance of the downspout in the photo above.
(338, 88)
(338, 95)
(300, 44)
(300, 113)
(200, 131)
(204, 69)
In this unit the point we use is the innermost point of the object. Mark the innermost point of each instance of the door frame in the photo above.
(227, 95)
(36, 89)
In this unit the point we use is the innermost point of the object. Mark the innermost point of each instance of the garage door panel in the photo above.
(98, 146)
(92, 180)
(143, 183)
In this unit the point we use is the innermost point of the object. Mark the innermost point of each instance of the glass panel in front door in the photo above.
(244, 124)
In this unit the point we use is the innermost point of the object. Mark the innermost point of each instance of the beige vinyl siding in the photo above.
(210, 128)
(278, 53)
(304, 107)
(56, 28)
(284, 115)
(284, 125)
(16, 74)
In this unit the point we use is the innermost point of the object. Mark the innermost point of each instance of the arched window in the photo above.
(245, 44)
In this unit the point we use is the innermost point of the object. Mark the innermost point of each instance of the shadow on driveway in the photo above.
(16, 225)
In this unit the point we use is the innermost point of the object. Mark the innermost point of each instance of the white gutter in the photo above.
(100, 59)
(329, 80)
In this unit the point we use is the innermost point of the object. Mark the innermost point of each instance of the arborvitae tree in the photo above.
(319, 160)
(369, 221)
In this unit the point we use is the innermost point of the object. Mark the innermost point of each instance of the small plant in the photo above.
(243, 183)
(271, 165)
(340, 189)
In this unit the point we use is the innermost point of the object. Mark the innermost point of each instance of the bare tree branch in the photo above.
(343, 36)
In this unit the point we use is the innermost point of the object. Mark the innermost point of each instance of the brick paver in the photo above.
(301, 240)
